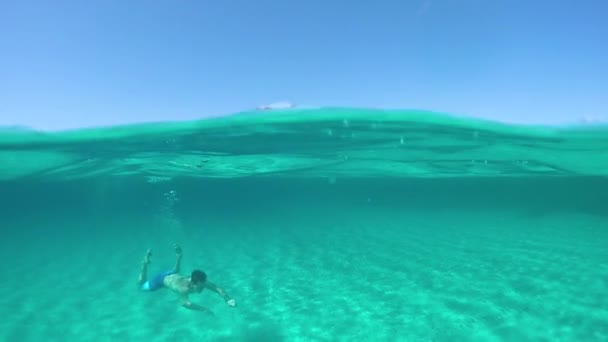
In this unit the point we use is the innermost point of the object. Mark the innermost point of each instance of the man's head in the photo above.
(197, 280)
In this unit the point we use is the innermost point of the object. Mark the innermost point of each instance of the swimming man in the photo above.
(182, 285)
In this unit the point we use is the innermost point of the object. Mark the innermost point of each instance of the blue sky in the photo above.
(67, 64)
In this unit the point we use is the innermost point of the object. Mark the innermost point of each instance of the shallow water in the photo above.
(324, 225)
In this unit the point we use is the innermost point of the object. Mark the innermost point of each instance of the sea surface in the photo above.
(330, 224)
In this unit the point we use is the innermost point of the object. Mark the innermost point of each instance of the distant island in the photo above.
(277, 105)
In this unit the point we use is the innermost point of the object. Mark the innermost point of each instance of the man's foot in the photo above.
(147, 257)
(178, 249)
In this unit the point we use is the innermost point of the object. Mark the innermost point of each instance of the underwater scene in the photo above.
(321, 224)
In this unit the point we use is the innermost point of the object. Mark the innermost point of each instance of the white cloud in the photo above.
(277, 105)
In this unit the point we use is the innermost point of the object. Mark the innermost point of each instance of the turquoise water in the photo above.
(324, 225)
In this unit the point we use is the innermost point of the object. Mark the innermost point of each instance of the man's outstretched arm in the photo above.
(211, 286)
(192, 306)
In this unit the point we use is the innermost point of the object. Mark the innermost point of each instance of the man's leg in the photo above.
(143, 275)
(178, 256)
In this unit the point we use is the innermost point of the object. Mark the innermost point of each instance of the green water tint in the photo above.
(308, 143)
(324, 225)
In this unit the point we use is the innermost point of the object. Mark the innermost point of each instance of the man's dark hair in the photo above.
(198, 276)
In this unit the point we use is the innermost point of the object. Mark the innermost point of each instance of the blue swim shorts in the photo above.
(156, 282)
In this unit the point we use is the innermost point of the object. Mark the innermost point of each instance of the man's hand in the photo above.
(178, 249)
(222, 293)
(229, 301)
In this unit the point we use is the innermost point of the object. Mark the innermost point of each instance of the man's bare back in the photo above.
(177, 283)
